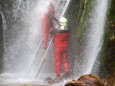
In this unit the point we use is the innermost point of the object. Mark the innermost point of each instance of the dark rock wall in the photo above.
(5, 6)
(107, 66)
(1, 43)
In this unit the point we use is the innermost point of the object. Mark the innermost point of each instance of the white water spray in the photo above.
(26, 35)
(22, 34)
(94, 36)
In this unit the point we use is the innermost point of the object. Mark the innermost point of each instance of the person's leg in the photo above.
(65, 61)
(66, 65)
(45, 30)
(57, 61)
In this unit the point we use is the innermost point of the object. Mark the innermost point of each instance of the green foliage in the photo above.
(112, 11)
(107, 56)
(83, 16)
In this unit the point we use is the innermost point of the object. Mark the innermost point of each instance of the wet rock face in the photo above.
(1, 43)
(86, 80)
(4, 6)
(107, 69)
(24, 85)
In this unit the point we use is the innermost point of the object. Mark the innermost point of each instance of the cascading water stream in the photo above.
(96, 32)
(22, 35)
(94, 37)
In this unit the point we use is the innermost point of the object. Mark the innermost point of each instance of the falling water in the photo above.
(22, 35)
(94, 36)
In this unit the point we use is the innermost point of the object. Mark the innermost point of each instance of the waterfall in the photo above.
(93, 38)
(96, 32)
(22, 34)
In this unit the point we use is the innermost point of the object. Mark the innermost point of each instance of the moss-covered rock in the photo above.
(83, 16)
(107, 69)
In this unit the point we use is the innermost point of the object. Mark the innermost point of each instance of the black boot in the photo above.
(58, 75)
(48, 79)
(58, 79)
(66, 75)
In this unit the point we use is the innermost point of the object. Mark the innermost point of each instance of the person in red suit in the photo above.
(46, 24)
(61, 43)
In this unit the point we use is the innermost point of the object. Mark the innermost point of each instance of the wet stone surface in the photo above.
(23, 85)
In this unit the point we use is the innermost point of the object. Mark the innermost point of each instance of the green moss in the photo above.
(83, 16)
(112, 11)
(107, 57)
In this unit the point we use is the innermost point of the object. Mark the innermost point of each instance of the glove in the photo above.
(52, 33)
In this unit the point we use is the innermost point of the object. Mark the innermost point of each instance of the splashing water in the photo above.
(94, 36)
(22, 34)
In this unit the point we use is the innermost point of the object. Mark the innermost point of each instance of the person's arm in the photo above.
(55, 25)
(55, 20)
(53, 32)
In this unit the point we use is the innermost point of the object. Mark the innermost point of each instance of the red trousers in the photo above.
(61, 51)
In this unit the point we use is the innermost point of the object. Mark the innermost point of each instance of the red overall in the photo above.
(46, 24)
(61, 51)
(46, 28)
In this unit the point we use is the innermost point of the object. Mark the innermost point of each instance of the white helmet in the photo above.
(63, 23)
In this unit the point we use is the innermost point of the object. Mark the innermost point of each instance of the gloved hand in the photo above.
(52, 33)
